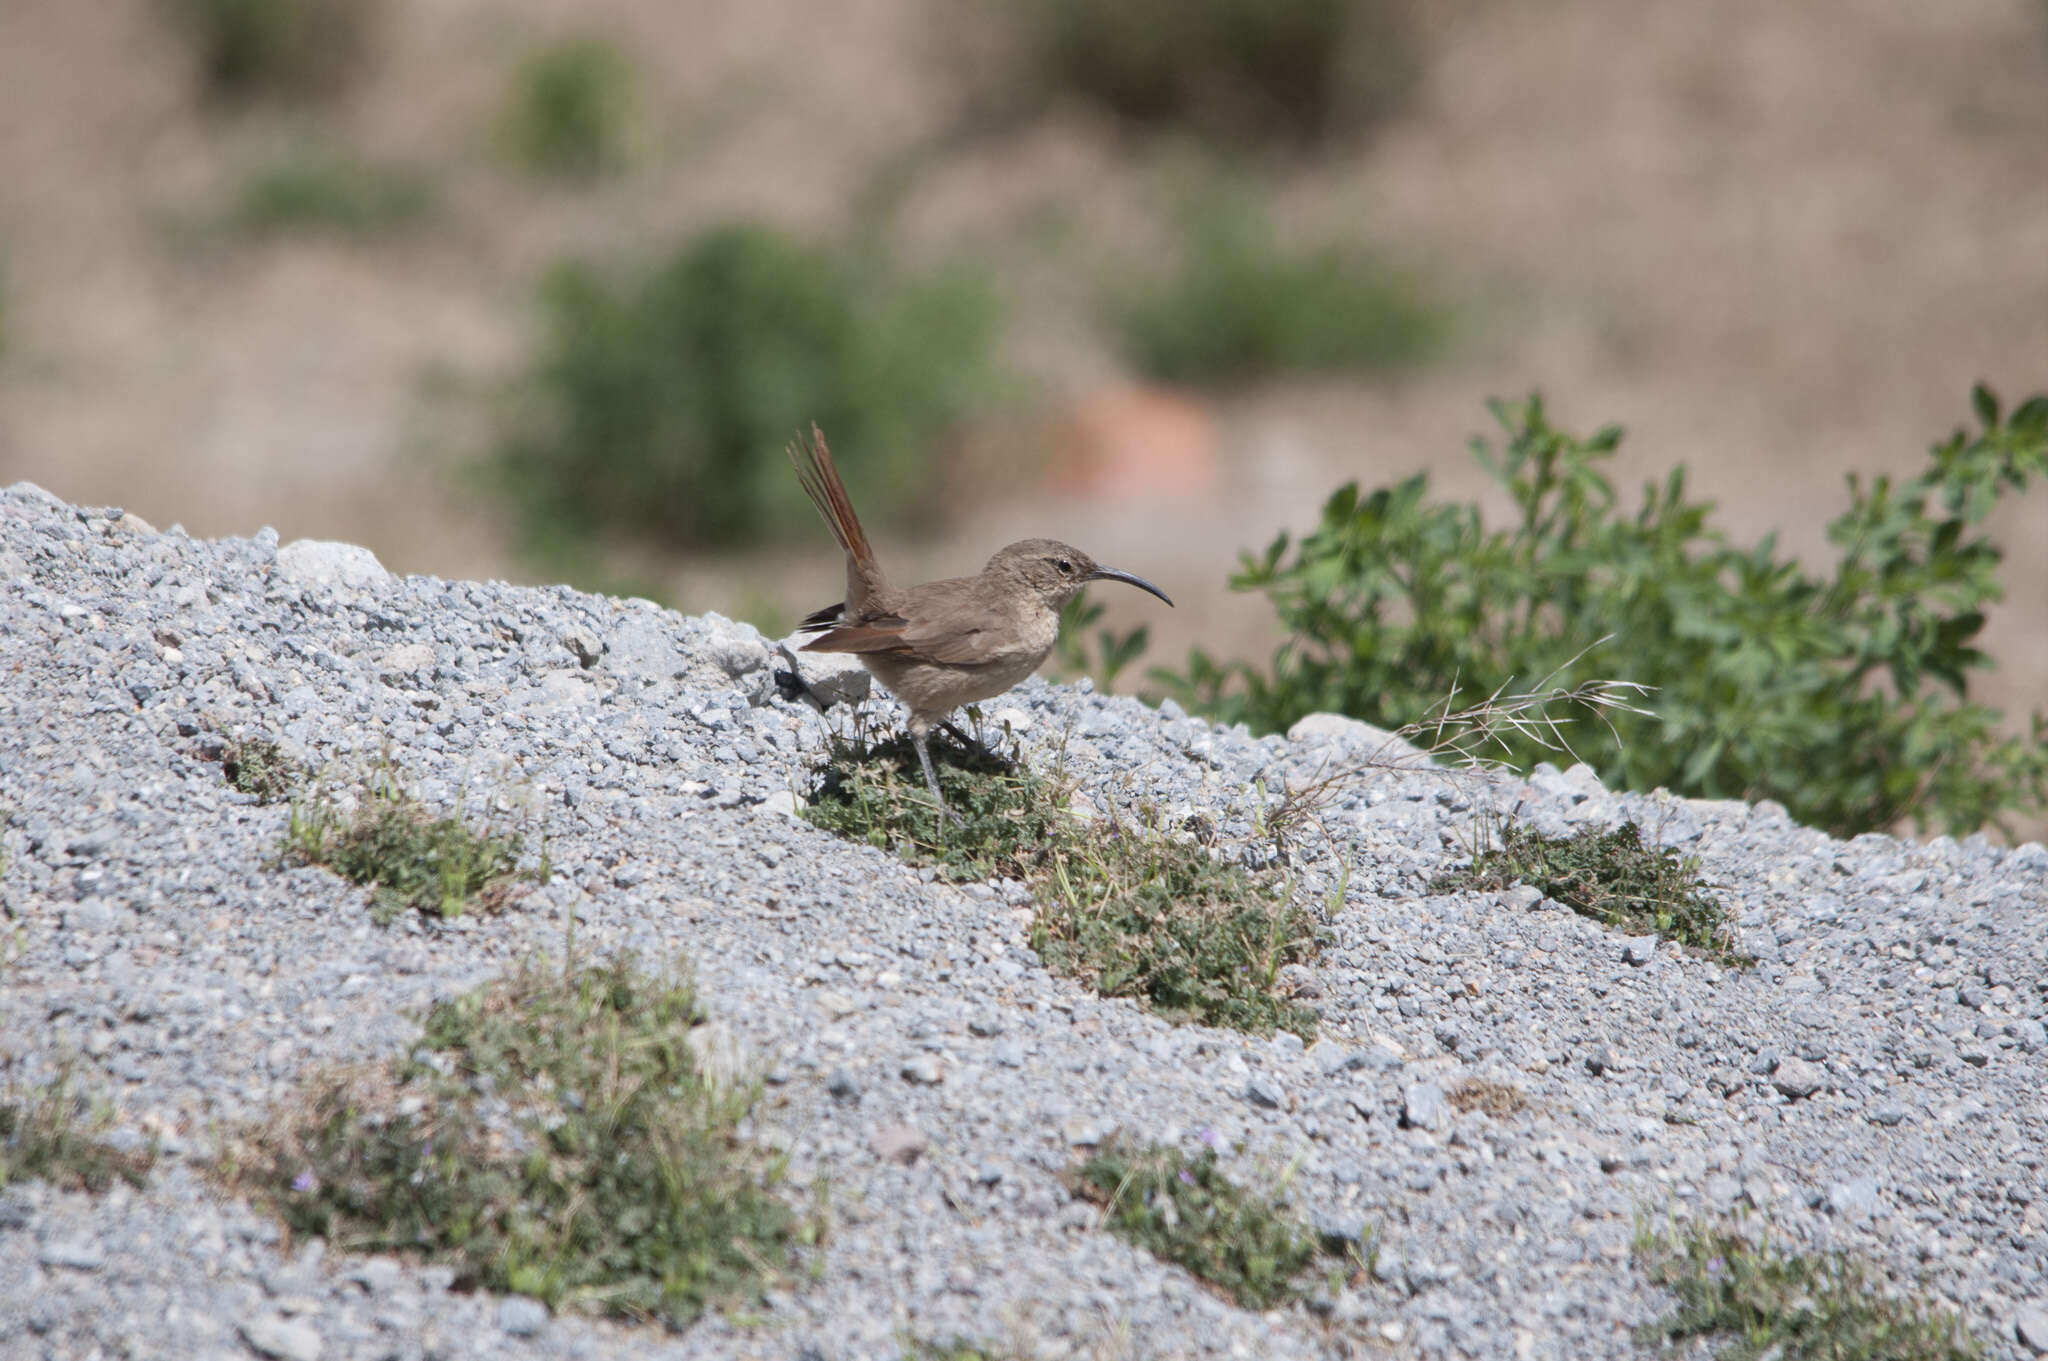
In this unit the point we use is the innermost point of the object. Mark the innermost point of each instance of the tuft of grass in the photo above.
(1792, 1307)
(551, 1134)
(1133, 911)
(1243, 306)
(1232, 71)
(1607, 874)
(259, 766)
(51, 1134)
(660, 398)
(1183, 1210)
(291, 50)
(571, 101)
(318, 191)
(406, 855)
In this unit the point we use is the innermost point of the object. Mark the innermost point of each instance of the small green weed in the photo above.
(551, 1135)
(1183, 1210)
(1243, 306)
(1844, 696)
(319, 191)
(1788, 1306)
(280, 49)
(51, 1135)
(259, 766)
(571, 102)
(1132, 911)
(1607, 874)
(661, 399)
(1232, 71)
(410, 858)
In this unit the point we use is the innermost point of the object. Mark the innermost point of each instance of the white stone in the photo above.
(322, 562)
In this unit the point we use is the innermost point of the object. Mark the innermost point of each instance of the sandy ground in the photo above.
(1777, 242)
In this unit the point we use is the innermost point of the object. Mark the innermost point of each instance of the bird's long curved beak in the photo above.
(1111, 574)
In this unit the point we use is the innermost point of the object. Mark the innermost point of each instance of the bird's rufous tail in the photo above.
(813, 462)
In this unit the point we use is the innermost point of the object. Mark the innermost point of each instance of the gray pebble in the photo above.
(521, 1315)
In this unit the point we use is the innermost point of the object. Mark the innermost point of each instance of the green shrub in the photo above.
(570, 104)
(1183, 1210)
(1242, 306)
(661, 399)
(285, 49)
(1605, 873)
(326, 191)
(1767, 1303)
(1842, 696)
(1233, 71)
(52, 1134)
(552, 1134)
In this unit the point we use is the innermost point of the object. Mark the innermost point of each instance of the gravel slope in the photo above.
(1876, 1083)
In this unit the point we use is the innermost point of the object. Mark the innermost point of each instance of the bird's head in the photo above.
(1056, 572)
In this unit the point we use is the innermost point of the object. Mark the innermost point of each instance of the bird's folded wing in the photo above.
(951, 642)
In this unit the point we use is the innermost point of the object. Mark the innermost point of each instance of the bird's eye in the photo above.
(1066, 568)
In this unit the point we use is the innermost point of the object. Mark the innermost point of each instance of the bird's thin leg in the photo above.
(931, 778)
(973, 744)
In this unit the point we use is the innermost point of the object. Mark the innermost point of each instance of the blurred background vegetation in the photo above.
(508, 288)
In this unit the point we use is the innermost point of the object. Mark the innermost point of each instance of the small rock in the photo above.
(2030, 1325)
(960, 1280)
(1798, 1079)
(1081, 1132)
(521, 1315)
(924, 1069)
(842, 1085)
(1423, 1106)
(585, 645)
(377, 1275)
(1339, 1229)
(1266, 1093)
(1640, 950)
(986, 1024)
(319, 562)
(80, 1254)
(1332, 1057)
(1889, 1114)
(1600, 1060)
(282, 1339)
(1855, 1200)
(784, 802)
(899, 1143)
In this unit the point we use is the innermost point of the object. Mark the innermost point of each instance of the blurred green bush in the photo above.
(1242, 306)
(570, 104)
(661, 399)
(1229, 71)
(1845, 697)
(324, 190)
(280, 49)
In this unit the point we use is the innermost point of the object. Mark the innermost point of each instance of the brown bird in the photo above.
(945, 643)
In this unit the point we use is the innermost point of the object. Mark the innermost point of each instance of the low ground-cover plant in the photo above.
(1132, 910)
(1182, 1209)
(1844, 696)
(322, 190)
(1606, 873)
(661, 398)
(1763, 1302)
(1243, 305)
(570, 106)
(1231, 71)
(260, 767)
(281, 49)
(409, 857)
(552, 1135)
(53, 1133)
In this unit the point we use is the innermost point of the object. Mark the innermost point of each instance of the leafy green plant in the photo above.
(1605, 873)
(660, 401)
(406, 855)
(318, 190)
(52, 1134)
(284, 49)
(1244, 306)
(571, 101)
(1131, 910)
(1766, 1303)
(259, 766)
(1182, 1209)
(551, 1134)
(1231, 71)
(1845, 697)
(1112, 652)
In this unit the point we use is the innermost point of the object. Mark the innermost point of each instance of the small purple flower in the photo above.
(1211, 1138)
(303, 1182)
(1187, 1178)
(1714, 1266)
